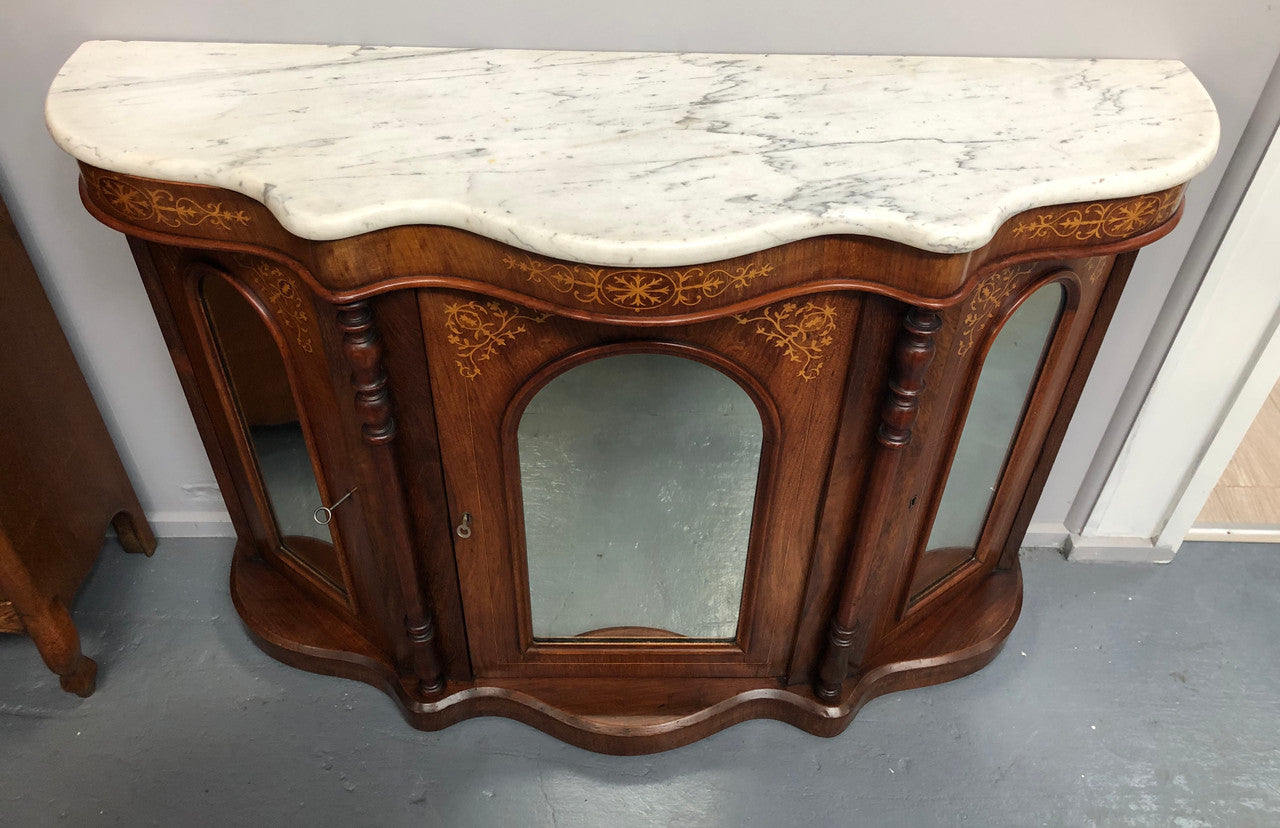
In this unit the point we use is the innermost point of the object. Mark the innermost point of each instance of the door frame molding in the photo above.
(1217, 374)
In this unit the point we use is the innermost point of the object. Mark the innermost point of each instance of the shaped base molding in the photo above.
(660, 713)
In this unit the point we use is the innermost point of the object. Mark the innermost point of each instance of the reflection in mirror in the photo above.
(638, 475)
(1008, 374)
(256, 374)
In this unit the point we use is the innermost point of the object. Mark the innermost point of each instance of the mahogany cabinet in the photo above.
(408, 390)
(61, 482)
(629, 504)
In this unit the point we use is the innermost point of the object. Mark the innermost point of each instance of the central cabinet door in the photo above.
(634, 499)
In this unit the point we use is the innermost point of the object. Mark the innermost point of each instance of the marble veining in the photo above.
(634, 159)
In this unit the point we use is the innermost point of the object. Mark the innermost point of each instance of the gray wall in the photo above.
(1230, 45)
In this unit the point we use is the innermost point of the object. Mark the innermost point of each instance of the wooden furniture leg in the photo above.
(48, 623)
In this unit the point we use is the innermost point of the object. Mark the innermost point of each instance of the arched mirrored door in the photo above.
(633, 499)
(638, 477)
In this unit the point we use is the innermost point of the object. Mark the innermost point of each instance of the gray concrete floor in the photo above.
(1127, 695)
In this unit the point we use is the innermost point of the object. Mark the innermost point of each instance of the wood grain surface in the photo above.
(412, 353)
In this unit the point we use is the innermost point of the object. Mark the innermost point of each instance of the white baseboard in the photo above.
(1234, 533)
(1116, 550)
(214, 524)
(1045, 535)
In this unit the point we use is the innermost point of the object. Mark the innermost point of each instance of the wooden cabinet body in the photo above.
(412, 351)
(61, 482)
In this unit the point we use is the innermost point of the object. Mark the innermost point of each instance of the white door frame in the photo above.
(1215, 378)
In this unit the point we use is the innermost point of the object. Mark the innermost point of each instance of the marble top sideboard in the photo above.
(899, 269)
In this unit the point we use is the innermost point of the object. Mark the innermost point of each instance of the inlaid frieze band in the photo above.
(1105, 221)
(637, 289)
(138, 202)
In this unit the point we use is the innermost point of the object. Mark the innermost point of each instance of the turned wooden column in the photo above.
(847, 640)
(363, 351)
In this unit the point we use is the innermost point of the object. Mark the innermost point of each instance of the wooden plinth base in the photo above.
(955, 639)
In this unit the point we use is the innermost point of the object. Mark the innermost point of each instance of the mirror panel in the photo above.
(999, 400)
(638, 474)
(256, 374)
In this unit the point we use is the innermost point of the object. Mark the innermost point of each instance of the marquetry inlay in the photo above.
(801, 331)
(986, 301)
(480, 331)
(637, 289)
(277, 289)
(1103, 221)
(142, 203)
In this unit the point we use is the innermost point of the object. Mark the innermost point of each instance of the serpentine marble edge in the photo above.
(634, 159)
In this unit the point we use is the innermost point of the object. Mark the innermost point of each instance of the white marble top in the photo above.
(634, 158)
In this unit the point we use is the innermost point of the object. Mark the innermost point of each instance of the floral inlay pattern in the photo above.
(986, 301)
(1099, 222)
(160, 205)
(480, 331)
(1096, 268)
(637, 289)
(278, 290)
(801, 331)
